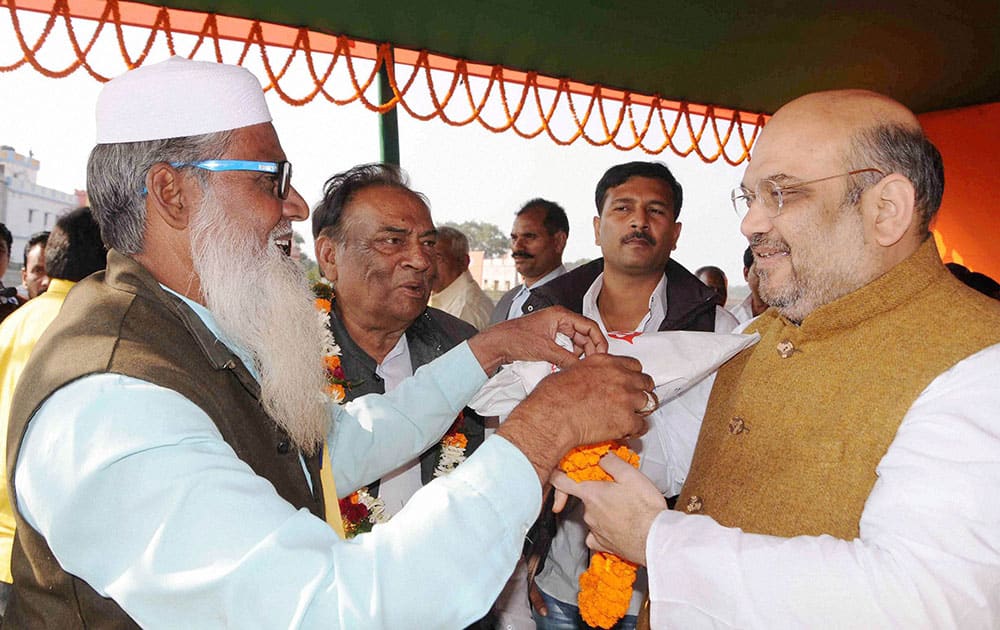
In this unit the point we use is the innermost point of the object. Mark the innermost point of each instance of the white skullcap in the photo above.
(178, 98)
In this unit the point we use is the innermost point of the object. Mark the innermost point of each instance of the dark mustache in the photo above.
(520, 255)
(639, 235)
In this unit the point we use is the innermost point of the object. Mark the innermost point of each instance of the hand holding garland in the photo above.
(606, 585)
(532, 338)
(591, 401)
(619, 512)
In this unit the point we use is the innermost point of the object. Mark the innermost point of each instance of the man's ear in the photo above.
(677, 234)
(326, 257)
(165, 196)
(597, 230)
(894, 208)
(560, 240)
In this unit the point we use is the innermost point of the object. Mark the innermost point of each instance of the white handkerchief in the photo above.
(676, 359)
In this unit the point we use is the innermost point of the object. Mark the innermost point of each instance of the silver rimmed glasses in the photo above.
(773, 194)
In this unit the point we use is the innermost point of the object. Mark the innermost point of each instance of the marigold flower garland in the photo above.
(606, 585)
(336, 381)
(361, 511)
(453, 446)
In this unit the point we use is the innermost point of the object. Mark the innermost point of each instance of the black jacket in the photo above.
(432, 334)
(690, 304)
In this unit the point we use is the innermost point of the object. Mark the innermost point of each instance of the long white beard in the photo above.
(262, 302)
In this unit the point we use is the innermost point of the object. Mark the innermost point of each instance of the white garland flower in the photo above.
(451, 457)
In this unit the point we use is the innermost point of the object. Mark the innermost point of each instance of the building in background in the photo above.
(26, 207)
(498, 275)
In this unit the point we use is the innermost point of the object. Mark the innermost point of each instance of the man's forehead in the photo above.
(529, 220)
(814, 133)
(630, 188)
(258, 142)
(797, 149)
(389, 206)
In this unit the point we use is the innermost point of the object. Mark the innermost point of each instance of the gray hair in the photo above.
(116, 181)
(455, 243)
(894, 148)
(340, 190)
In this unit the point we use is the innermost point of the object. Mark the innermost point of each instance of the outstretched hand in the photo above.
(532, 338)
(591, 401)
(619, 513)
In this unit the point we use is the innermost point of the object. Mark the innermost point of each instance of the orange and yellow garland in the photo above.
(425, 85)
(606, 586)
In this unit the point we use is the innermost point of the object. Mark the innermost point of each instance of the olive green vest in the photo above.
(121, 321)
(797, 424)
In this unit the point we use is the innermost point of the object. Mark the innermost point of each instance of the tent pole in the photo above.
(388, 125)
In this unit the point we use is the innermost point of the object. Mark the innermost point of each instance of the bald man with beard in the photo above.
(846, 470)
(165, 436)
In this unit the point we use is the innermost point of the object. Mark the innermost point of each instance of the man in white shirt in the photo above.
(846, 470)
(537, 241)
(635, 288)
(454, 289)
(752, 305)
(164, 463)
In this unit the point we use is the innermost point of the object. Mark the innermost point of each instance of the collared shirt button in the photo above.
(529, 308)
(738, 425)
(694, 504)
(785, 349)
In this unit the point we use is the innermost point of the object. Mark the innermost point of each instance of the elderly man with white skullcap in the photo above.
(167, 433)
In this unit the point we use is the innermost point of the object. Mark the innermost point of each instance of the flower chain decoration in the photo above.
(622, 119)
(606, 585)
(361, 511)
(336, 382)
(453, 446)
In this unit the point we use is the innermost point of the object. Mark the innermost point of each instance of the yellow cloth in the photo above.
(329, 494)
(18, 335)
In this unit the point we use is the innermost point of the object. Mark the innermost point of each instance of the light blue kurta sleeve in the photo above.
(162, 516)
(374, 434)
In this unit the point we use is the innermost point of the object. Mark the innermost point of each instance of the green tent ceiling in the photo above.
(752, 56)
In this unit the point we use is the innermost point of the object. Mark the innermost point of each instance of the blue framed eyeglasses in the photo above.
(282, 171)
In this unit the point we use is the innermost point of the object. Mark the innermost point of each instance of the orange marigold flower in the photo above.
(331, 361)
(335, 392)
(605, 589)
(323, 305)
(456, 439)
(606, 586)
(583, 462)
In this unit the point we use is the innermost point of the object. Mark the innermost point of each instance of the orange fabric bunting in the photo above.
(461, 92)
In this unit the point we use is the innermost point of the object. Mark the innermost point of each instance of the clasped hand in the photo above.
(619, 513)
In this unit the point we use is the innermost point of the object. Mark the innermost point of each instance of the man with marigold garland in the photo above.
(165, 436)
(846, 471)
(374, 241)
(635, 288)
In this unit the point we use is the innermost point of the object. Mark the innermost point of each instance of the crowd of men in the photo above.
(180, 436)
